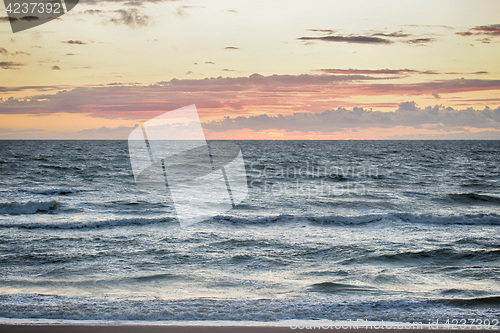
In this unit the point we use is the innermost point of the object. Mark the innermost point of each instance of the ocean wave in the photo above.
(48, 207)
(87, 225)
(474, 198)
(55, 191)
(442, 254)
(30, 207)
(334, 288)
(465, 219)
(59, 307)
(490, 301)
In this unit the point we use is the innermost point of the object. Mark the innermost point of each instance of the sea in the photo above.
(342, 231)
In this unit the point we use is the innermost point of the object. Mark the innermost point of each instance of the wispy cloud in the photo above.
(74, 42)
(132, 18)
(387, 71)
(355, 39)
(373, 71)
(488, 30)
(376, 38)
(10, 65)
(420, 41)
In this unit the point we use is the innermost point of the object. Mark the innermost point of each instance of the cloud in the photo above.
(5, 52)
(56, 68)
(10, 65)
(370, 71)
(23, 88)
(420, 41)
(74, 42)
(131, 18)
(29, 18)
(231, 48)
(93, 11)
(491, 30)
(377, 37)
(407, 114)
(397, 34)
(242, 95)
(324, 31)
(442, 86)
(387, 71)
(355, 39)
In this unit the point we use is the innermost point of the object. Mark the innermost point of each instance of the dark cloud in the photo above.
(407, 114)
(56, 68)
(10, 65)
(493, 29)
(420, 41)
(29, 18)
(209, 62)
(377, 37)
(3, 51)
(93, 11)
(74, 42)
(23, 88)
(355, 39)
(488, 30)
(231, 48)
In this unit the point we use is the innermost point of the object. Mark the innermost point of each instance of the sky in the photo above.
(275, 69)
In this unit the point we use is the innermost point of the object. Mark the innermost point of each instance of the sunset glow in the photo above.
(97, 71)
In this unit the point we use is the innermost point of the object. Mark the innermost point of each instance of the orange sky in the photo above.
(383, 69)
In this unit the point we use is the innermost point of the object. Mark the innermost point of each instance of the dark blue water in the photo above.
(372, 230)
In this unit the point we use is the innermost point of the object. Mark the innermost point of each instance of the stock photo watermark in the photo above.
(170, 153)
(311, 180)
(26, 14)
(431, 324)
